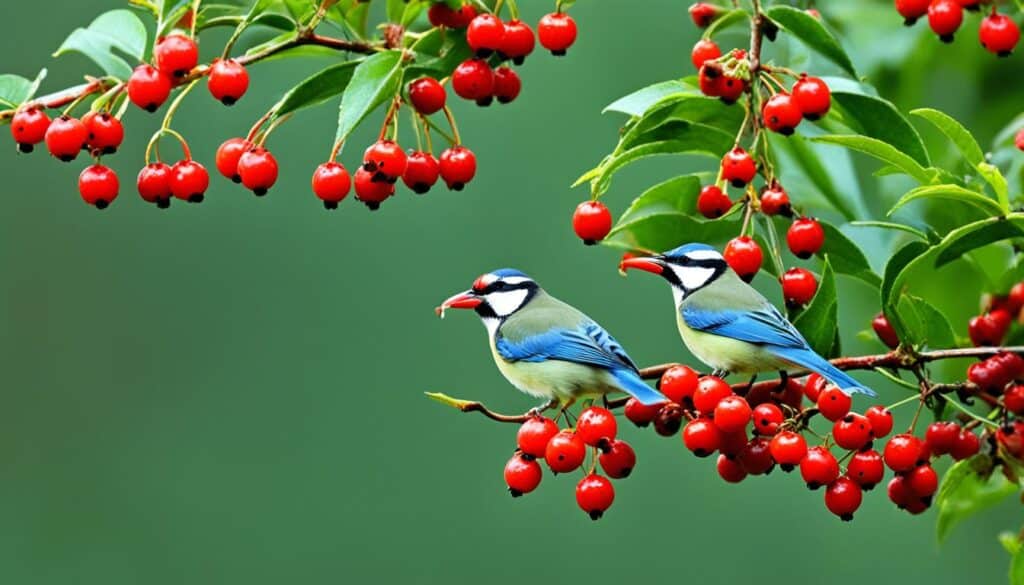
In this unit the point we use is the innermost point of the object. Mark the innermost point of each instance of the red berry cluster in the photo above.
(998, 33)
(566, 450)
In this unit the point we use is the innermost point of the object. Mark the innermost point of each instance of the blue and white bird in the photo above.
(730, 326)
(545, 347)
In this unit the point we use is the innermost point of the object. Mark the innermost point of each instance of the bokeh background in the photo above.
(233, 392)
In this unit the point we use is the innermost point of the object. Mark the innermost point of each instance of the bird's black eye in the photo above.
(499, 285)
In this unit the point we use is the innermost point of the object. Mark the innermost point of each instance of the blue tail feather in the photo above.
(632, 384)
(806, 358)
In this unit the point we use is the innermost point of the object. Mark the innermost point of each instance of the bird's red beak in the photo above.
(651, 265)
(462, 300)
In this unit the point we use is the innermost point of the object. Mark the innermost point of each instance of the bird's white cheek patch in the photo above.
(505, 303)
(694, 276)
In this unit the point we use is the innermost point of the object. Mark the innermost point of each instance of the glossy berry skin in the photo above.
(258, 170)
(507, 85)
(65, 138)
(767, 418)
(966, 445)
(781, 114)
(703, 14)
(484, 34)
(843, 497)
(744, 256)
(775, 201)
(154, 184)
(902, 452)
(702, 437)
(884, 331)
(814, 386)
(712, 202)
(679, 383)
(331, 183)
(618, 459)
(175, 55)
(427, 95)
(1013, 399)
(812, 97)
(805, 237)
(371, 191)
(28, 128)
(923, 481)
(710, 391)
(833, 403)
(228, 155)
(710, 81)
(732, 414)
(386, 159)
(228, 81)
(866, 468)
(534, 434)
(881, 420)
(556, 32)
(852, 432)
(944, 18)
(594, 495)
(518, 41)
(591, 221)
(522, 475)
(105, 132)
(639, 413)
(474, 80)
(669, 420)
(788, 449)
(756, 457)
(911, 10)
(730, 89)
(738, 167)
(733, 444)
(596, 425)
(565, 452)
(941, 436)
(98, 186)
(458, 167)
(798, 287)
(704, 50)
(421, 171)
(730, 469)
(148, 88)
(440, 14)
(189, 181)
(819, 467)
(990, 328)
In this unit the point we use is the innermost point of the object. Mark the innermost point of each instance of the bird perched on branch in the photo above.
(545, 347)
(730, 326)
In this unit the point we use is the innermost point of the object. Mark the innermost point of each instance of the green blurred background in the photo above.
(233, 392)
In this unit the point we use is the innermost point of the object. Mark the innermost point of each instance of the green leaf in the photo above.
(845, 257)
(880, 150)
(925, 324)
(116, 30)
(810, 163)
(888, 225)
(812, 33)
(729, 19)
(893, 269)
(950, 192)
(353, 15)
(1017, 568)
(16, 90)
(449, 48)
(636, 103)
(317, 88)
(996, 179)
(879, 119)
(957, 134)
(375, 81)
(681, 108)
(965, 492)
(818, 322)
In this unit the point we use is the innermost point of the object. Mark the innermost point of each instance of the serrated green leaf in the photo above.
(813, 33)
(880, 150)
(375, 81)
(729, 19)
(949, 192)
(818, 321)
(955, 131)
(117, 30)
(845, 257)
(636, 103)
(317, 88)
(879, 119)
(965, 492)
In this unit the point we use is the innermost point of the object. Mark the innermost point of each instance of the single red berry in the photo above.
(833, 403)
(565, 452)
(1011, 364)
(884, 331)
(805, 237)
(701, 436)
(371, 191)
(990, 328)
(730, 89)
(881, 420)
(421, 171)
(798, 286)
(866, 468)
(1010, 437)
(175, 55)
(591, 221)
(679, 383)
(594, 495)
(427, 95)
(732, 414)
(710, 391)
(557, 32)
(756, 457)
(228, 81)
(819, 467)
(639, 413)
(534, 434)
(228, 155)
(903, 452)
(386, 159)
(710, 80)
(1013, 399)
(98, 186)
(669, 419)
(941, 436)
(738, 167)
(788, 449)
(730, 469)
(258, 170)
(813, 387)
(988, 375)
(28, 127)
(966, 445)
(65, 138)
(923, 481)
(899, 492)
(474, 80)
(812, 97)
(507, 84)
(744, 256)
(775, 201)
(781, 114)
(458, 167)
(440, 14)
(843, 497)
(596, 425)
(945, 17)
(911, 10)
(852, 432)
(712, 202)
(148, 88)
(732, 444)
(463, 16)
(105, 132)
(484, 34)
(703, 14)
(522, 475)
(189, 181)
(999, 34)
(154, 184)
(704, 50)
(518, 41)
(331, 183)
(767, 418)
(1015, 298)
(617, 459)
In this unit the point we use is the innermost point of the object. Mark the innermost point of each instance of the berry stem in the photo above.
(336, 149)
(956, 404)
(273, 126)
(456, 140)
(173, 109)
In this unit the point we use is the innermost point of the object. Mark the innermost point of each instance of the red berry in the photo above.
(441, 15)
(1015, 299)
(105, 132)
(966, 445)
(843, 497)
(999, 34)
(703, 14)
(775, 201)
(258, 170)
(565, 452)
(852, 432)
(639, 413)
(522, 475)
(591, 221)
(679, 383)
(881, 420)
(710, 81)
(812, 97)
(668, 420)
(228, 155)
(154, 184)
(710, 391)
(557, 32)
(941, 436)
(704, 50)
(805, 237)
(702, 437)
(386, 159)
(767, 418)
(899, 492)
(484, 34)
(988, 375)
(732, 414)
(474, 80)
(730, 469)
(756, 457)
(1013, 399)
(833, 403)
(534, 434)
(148, 88)
(788, 449)
(370, 191)
(781, 114)
(1011, 364)
(903, 452)
(1010, 437)
(28, 127)
(65, 138)
(990, 328)
(866, 468)
(175, 55)
(507, 84)
(814, 386)
(98, 186)
(945, 17)
(744, 256)
(730, 89)
(911, 10)
(594, 495)
(712, 202)
(732, 444)
(1018, 140)
(228, 81)
(427, 95)
(189, 181)
(798, 286)
(331, 183)
(458, 167)
(618, 459)
(923, 481)
(596, 425)
(421, 171)
(884, 331)
(819, 467)
(738, 167)
(518, 41)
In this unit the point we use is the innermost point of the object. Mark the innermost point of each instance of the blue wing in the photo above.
(587, 344)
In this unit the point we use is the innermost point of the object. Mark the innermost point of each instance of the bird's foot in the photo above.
(539, 410)
(783, 380)
(720, 373)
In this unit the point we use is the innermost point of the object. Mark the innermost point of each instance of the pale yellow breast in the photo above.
(554, 378)
(724, 353)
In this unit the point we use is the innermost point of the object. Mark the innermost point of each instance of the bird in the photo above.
(730, 326)
(546, 348)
